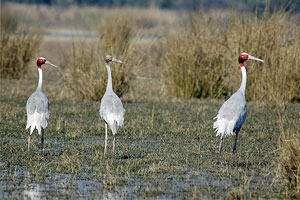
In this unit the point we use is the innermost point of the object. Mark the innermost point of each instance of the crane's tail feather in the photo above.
(36, 121)
(224, 127)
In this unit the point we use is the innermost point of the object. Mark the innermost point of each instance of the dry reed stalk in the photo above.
(86, 75)
(289, 162)
(202, 61)
(16, 46)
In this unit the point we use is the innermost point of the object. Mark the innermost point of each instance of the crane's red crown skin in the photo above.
(243, 58)
(40, 62)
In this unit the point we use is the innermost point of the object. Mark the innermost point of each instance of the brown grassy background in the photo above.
(202, 61)
(194, 55)
(17, 49)
(85, 74)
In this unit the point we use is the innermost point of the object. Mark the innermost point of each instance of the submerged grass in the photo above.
(169, 154)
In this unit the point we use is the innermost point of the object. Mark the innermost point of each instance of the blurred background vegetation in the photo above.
(172, 4)
(185, 49)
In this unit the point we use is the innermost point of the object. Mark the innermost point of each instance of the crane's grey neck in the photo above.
(244, 81)
(40, 84)
(109, 86)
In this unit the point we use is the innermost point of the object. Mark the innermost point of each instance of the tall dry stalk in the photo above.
(194, 61)
(289, 162)
(85, 73)
(202, 61)
(276, 39)
(16, 46)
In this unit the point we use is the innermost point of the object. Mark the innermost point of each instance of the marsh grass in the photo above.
(85, 73)
(200, 62)
(275, 38)
(289, 161)
(171, 154)
(18, 45)
(193, 61)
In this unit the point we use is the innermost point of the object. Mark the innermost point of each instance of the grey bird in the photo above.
(111, 108)
(233, 112)
(37, 106)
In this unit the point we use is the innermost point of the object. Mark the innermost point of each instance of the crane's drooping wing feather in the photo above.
(112, 109)
(231, 115)
(37, 108)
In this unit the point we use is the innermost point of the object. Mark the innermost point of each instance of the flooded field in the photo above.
(165, 150)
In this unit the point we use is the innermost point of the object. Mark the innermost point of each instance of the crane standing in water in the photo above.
(37, 106)
(233, 112)
(111, 108)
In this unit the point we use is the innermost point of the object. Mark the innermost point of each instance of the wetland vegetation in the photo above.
(167, 148)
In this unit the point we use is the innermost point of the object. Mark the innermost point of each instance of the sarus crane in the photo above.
(233, 112)
(37, 106)
(111, 108)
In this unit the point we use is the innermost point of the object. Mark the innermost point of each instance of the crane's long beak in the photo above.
(49, 63)
(254, 58)
(116, 60)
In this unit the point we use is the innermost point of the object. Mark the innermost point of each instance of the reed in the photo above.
(17, 45)
(202, 61)
(85, 73)
(289, 162)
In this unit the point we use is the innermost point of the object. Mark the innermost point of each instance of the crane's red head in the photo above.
(40, 62)
(244, 56)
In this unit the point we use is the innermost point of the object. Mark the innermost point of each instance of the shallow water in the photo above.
(174, 158)
(57, 186)
(21, 183)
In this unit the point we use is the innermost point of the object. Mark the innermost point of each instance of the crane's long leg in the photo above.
(235, 142)
(42, 139)
(105, 147)
(114, 143)
(221, 145)
(29, 141)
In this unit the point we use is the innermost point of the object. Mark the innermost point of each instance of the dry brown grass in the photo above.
(199, 55)
(193, 60)
(276, 39)
(17, 48)
(84, 75)
(202, 61)
(289, 161)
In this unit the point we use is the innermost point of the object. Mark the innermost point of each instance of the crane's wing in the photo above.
(231, 115)
(37, 108)
(111, 109)
(39, 103)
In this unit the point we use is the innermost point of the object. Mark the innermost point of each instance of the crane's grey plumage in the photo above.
(37, 106)
(111, 108)
(233, 112)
